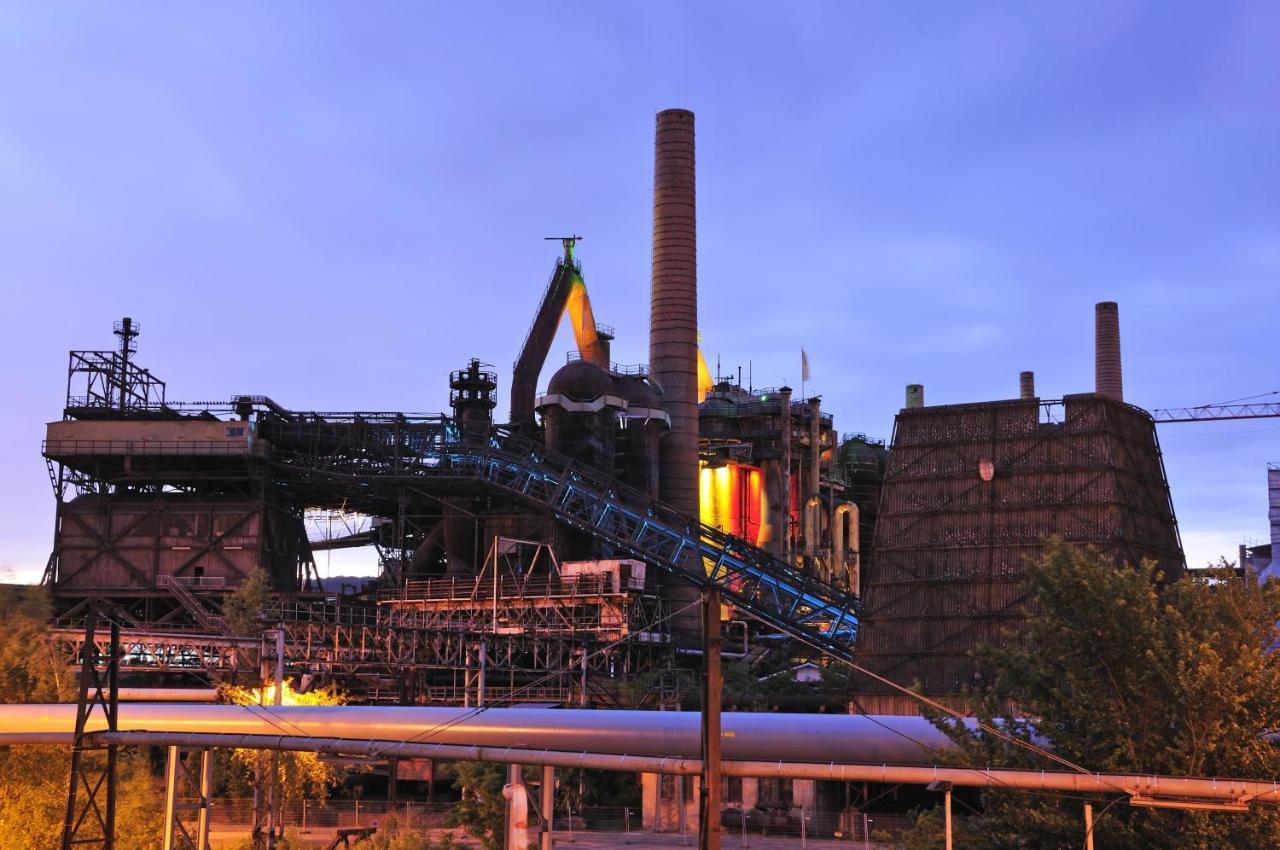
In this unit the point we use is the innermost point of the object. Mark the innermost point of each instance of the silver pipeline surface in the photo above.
(1140, 786)
(851, 738)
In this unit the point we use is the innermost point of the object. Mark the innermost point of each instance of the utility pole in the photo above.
(945, 788)
(709, 799)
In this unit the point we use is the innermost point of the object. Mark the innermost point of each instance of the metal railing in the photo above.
(63, 448)
(200, 582)
(308, 816)
(538, 587)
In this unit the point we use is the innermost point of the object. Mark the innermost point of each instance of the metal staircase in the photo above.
(203, 616)
(760, 584)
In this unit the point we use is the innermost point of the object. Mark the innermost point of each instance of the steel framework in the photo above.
(91, 794)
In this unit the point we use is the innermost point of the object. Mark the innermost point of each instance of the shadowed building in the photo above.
(971, 492)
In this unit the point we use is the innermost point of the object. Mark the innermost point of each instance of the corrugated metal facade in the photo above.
(970, 493)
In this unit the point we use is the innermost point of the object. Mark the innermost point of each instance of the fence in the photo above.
(306, 815)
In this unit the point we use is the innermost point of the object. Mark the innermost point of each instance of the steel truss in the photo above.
(187, 792)
(631, 522)
(91, 794)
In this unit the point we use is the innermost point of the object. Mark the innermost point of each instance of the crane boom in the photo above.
(1215, 412)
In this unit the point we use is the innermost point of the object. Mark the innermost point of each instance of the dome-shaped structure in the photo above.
(580, 381)
(857, 454)
(638, 391)
(717, 406)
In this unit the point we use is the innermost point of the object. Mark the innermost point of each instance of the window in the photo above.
(776, 792)
(732, 789)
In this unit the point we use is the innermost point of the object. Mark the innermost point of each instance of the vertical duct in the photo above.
(915, 395)
(785, 438)
(1107, 377)
(673, 306)
(1026, 385)
(815, 446)
(1273, 514)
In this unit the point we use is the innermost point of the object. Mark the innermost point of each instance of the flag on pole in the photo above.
(804, 365)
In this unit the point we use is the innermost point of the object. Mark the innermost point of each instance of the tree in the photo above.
(33, 780)
(1121, 671)
(30, 669)
(300, 774)
(481, 811)
(243, 605)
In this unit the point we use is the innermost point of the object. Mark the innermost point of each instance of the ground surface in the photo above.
(224, 840)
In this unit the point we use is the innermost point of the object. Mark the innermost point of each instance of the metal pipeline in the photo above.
(842, 548)
(1142, 786)
(168, 694)
(851, 738)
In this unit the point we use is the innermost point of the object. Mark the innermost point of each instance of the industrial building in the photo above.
(554, 558)
(971, 494)
(558, 558)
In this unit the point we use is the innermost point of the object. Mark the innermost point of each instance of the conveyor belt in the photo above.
(760, 584)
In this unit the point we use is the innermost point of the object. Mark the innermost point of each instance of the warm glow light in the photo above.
(267, 696)
(729, 498)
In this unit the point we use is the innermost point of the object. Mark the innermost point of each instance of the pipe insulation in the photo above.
(1149, 786)
(850, 738)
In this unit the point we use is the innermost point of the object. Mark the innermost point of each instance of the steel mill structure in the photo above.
(567, 555)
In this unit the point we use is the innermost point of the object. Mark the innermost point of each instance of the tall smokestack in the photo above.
(673, 306)
(1106, 362)
(1026, 385)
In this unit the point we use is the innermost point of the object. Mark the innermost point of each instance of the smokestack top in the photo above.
(1108, 380)
(915, 395)
(1027, 385)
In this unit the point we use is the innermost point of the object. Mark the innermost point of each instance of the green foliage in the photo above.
(394, 835)
(926, 833)
(33, 798)
(289, 841)
(31, 669)
(300, 774)
(1125, 673)
(481, 811)
(578, 788)
(243, 605)
(33, 780)
(763, 687)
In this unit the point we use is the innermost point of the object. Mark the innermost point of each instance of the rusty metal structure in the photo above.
(972, 491)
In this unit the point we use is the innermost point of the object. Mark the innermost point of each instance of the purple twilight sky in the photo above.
(336, 204)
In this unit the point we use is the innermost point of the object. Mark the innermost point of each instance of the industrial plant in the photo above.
(626, 523)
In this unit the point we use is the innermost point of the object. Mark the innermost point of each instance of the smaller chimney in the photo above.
(915, 395)
(1027, 385)
(1107, 377)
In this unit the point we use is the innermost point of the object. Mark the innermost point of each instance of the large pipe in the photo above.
(746, 735)
(842, 549)
(812, 525)
(168, 694)
(673, 306)
(785, 401)
(815, 446)
(1108, 381)
(1132, 784)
